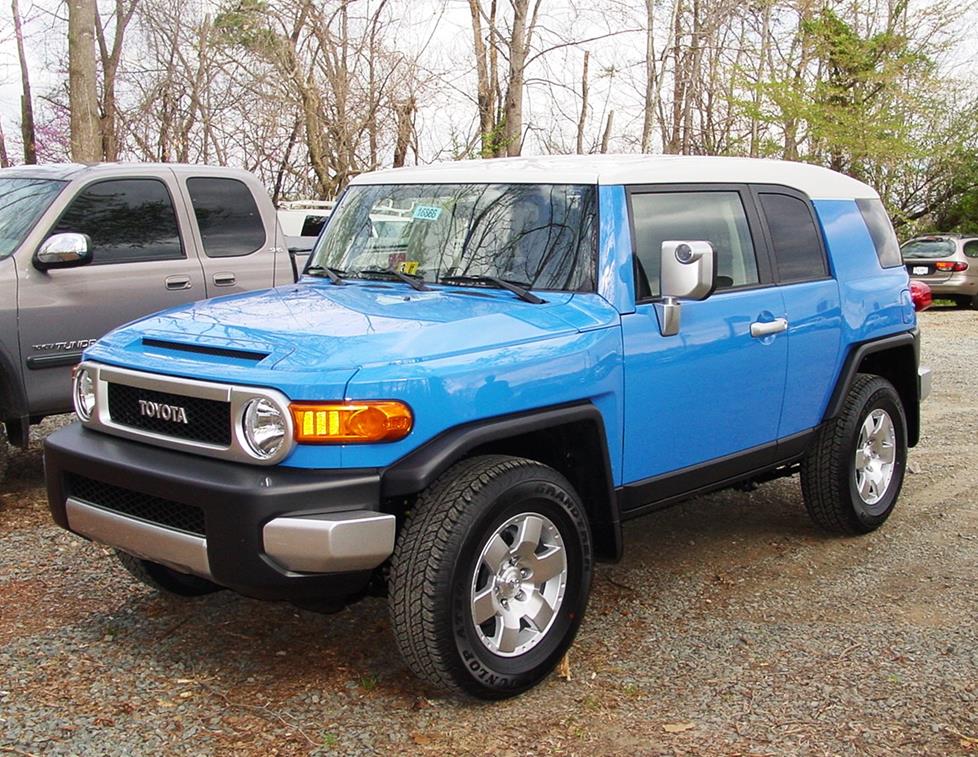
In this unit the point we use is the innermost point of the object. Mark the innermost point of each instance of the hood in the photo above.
(315, 325)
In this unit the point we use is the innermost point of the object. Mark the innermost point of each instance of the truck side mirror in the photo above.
(688, 272)
(63, 251)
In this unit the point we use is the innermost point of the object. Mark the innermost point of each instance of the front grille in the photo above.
(208, 421)
(162, 512)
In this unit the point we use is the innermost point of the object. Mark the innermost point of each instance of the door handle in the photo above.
(177, 282)
(767, 328)
(224, 279)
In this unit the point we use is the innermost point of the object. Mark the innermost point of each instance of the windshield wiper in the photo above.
(519, 288)
(334, 274)
(412, 280)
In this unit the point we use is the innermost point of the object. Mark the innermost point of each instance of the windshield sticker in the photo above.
(410, 267)
(426, 213)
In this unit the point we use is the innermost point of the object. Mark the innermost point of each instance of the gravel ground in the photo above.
(732, 626)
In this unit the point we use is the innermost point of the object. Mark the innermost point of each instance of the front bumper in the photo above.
(271, 533)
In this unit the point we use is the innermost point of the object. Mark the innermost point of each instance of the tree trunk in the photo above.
(405, 127)
(519, 44)
(110, 69)
(582, 121)
(4, 160)
(607, 132)
(651, 76)
(86, 138)
(485, 88)
(26, 103)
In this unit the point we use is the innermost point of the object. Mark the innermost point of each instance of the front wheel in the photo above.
(490, 576)
(851, 477)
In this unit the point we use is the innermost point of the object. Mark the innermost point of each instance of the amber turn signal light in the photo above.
(351, 422)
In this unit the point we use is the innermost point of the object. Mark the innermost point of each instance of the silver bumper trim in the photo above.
(330, 542)
(924, 380)
(178, 550)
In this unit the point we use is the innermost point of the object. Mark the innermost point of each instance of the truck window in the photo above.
(227, 216)
(128, 221)
(794, 236)
(716, 217)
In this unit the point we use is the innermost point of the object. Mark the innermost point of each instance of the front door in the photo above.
(714, 390)
(141, 263)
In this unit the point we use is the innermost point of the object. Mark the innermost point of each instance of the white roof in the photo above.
(817, 182)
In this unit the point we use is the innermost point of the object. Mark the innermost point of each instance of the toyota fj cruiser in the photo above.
(466, 411)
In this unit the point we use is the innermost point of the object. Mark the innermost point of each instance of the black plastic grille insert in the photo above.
(208, 421)
(162, 512)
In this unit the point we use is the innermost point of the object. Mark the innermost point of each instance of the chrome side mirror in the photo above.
(63, 251)
(688, 272)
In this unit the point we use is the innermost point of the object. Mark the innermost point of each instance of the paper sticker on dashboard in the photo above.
(426, 213)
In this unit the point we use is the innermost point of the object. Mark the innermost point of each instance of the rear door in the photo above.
(142, 263)
(811, 301)
(237, 244)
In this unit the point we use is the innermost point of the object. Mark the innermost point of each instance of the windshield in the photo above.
(541, 236)
(21, 203)
(927, 248)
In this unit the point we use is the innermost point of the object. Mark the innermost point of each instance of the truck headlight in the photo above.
(265, 427)
(84, 393)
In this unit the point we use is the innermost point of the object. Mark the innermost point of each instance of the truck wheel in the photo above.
(851, 477)
(490, 576)
(164, 579)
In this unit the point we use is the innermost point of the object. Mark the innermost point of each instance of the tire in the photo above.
(832, 471)
(164, 579)
(464, 522)
(963, 302)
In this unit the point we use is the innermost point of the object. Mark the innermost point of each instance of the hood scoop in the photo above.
(203, 349)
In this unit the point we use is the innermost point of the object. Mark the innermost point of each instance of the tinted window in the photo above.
(795, 238)
(881, 230)
(312, 225)
(715, 217)
(128, 220)
(971, 248)
(927, 248)
(228, 219)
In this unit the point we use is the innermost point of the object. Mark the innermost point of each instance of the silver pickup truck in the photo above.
(84, 249)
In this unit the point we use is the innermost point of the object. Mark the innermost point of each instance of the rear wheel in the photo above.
(490, 576)
(165, 579)
(851, 477)
(963, 301)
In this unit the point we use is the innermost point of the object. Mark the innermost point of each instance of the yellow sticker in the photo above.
(409, 267)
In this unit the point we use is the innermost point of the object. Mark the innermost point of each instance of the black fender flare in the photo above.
(906, 342)
(420, 467)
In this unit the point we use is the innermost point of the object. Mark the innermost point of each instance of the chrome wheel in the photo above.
(518, 584)
(875, 456)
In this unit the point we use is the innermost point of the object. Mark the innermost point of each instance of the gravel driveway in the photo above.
(732, 626)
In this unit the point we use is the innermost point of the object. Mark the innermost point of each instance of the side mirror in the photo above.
(688, 272)
(63, 251)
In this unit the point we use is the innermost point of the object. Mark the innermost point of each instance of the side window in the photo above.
(971, 248)
(794, 237)
(881, 230)
(716, 217)
(128, 220)
(312, 225)
(229, 222)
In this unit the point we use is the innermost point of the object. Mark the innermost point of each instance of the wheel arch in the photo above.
(569, 438)
(894, 358)
(14, 412)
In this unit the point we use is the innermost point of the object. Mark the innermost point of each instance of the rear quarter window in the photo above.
(971, 248)
(881, 230)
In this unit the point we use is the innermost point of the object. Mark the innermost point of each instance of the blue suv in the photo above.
(487, 369)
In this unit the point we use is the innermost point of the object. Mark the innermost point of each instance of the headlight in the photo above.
(265, 427)
(84, 394)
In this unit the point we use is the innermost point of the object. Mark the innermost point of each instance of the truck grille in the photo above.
(161, 512)
(207, 421)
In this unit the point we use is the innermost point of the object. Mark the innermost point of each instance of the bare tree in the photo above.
(86, 138)
(111, 56)
(26, 102)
